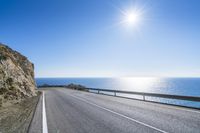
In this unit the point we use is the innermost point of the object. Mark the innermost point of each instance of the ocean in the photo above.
(175, 86)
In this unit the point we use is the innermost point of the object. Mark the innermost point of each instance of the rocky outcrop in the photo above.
(76, 87)
(69, 86)
(16, 76)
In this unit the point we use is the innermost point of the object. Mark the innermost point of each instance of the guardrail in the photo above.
(144, 94)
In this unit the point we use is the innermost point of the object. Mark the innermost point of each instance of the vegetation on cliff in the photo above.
(69, 86)
(16, 76)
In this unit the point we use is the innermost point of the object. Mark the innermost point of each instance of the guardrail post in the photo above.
(144, 97)
(115, 94)
(98, 91)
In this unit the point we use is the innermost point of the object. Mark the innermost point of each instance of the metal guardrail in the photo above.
(144, 94)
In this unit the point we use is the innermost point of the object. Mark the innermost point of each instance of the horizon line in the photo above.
(121, 77)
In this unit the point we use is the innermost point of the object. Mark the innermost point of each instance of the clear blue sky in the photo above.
(83, 38)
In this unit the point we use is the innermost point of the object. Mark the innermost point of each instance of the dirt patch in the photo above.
(16, 118)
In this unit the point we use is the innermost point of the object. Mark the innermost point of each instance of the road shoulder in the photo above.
(36, 123)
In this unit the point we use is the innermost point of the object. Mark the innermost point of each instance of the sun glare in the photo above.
(132, 18)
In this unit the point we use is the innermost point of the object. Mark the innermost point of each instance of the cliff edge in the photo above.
(16, 76)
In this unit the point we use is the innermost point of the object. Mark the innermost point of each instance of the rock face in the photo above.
(16, 76)
(76, 86)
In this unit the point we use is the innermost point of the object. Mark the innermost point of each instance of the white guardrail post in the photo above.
(143, 97)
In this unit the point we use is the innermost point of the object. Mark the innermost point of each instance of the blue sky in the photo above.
(83, 38)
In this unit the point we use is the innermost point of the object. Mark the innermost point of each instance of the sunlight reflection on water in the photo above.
(141, 84)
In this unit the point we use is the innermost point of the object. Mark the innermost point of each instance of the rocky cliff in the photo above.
(16, 76)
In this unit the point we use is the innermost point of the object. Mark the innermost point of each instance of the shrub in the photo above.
(2, 57)
(9, 80)
(1, 102)
(76, 87)
(2, 91)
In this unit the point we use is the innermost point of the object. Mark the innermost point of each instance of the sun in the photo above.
(131, 18)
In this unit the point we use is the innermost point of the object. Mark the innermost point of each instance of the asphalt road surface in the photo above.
(71, 111)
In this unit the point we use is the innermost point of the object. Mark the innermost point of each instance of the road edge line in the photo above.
(44, 118)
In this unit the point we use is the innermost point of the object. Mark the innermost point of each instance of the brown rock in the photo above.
(16, 76)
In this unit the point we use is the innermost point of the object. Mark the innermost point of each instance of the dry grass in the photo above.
(16, 118)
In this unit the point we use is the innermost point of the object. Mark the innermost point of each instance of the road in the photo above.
(71, 111)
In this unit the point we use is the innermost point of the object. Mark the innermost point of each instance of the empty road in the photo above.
(71, 111)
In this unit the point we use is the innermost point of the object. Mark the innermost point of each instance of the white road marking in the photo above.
(44, 118)
(124, 116)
